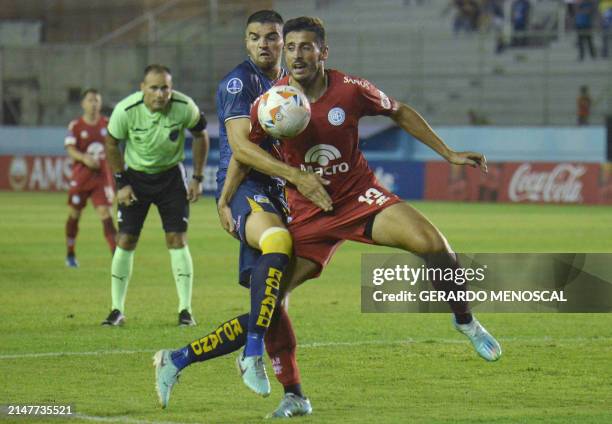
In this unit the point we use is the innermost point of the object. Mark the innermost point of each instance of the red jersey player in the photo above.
(91, 176)
(363, 210)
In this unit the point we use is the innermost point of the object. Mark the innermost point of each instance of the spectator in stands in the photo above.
(583, 106)
(476, 118)
(495, 10)
(543, 22)
(570, 14)
(473, 10)
(467, 13)
(605, 11)
(520, 20)
(585, 13)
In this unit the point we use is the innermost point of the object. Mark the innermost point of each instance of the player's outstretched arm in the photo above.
(199, 152)
(414, 124)
(125, 194)
(248, 153)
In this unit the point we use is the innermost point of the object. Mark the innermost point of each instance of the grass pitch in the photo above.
(355, 367)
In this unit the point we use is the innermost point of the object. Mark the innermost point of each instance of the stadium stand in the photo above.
(414, 55)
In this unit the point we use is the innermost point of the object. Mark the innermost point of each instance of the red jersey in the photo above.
(329, 145)
(89, 139)
(583, 105)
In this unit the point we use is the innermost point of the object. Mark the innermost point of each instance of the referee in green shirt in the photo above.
(152, 122)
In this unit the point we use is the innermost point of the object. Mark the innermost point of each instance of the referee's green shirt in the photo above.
(155, 141)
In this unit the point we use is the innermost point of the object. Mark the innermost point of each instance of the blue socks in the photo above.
(254, 344)
(265, 289)
(226, 338)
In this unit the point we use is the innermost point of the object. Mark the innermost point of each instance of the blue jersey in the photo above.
(235, 95)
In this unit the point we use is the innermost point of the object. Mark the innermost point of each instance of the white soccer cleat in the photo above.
(253, 373)
(166, 376)
(484, 343)
(292, 406)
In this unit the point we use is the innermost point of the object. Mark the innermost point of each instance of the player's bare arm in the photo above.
(309, 184)
(414, 124)
(85, 158)
(199, 153)
(125, 195)
(236, 173)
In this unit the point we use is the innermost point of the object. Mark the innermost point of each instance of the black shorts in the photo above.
(167, 190)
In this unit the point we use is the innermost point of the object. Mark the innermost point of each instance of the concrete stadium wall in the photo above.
(542, 144)
(561, 165)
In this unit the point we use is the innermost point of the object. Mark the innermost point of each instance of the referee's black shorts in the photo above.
(167, 190)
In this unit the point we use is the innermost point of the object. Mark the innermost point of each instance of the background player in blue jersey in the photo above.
(255, 215)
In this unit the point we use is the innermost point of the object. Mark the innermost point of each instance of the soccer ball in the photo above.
(283, 111)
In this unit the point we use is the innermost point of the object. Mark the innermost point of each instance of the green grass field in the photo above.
(382, 368)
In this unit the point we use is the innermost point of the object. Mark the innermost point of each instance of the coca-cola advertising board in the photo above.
(521, 182)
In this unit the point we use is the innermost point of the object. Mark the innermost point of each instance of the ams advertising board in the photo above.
(52, 173)
(35, 173)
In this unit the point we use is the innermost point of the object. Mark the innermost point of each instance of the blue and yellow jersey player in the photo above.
(251, 208)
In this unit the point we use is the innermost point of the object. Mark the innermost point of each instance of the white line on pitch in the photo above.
(407, 341)
(119, 419)
(94, 353)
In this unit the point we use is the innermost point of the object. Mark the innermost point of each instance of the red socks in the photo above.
(110, 233)
(72, 229)
(281, 347)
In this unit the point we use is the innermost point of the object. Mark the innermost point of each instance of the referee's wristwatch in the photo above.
(198, 178)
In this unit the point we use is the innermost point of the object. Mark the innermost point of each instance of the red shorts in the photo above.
(318, 238)
(101, 194)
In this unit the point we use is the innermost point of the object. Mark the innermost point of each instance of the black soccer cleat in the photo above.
(185, 319)
(115, 318)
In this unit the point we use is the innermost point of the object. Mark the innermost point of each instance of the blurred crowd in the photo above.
(536, 22)
(476, 15)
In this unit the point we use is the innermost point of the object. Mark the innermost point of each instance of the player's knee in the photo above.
(104, 213)
(276, 240)
(176, 240)
(74, 213)
(127, 241)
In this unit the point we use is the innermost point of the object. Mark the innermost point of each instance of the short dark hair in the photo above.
(157, 69)
(265, 17)
(88, 91)
(306, 23)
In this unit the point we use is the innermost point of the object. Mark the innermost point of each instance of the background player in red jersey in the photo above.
(363, 210)
(91, 175)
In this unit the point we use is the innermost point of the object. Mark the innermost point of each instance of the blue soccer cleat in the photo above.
(292, 405)
(166, 376)
(71, 261)
(253, 373)
(484, 343)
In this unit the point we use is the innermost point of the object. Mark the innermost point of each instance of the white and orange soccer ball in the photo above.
(283, 111)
